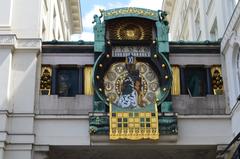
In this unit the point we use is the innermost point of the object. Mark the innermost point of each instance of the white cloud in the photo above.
(149, 4)
(87, 36)
(75, 37)
(88, 18)
(113, 5)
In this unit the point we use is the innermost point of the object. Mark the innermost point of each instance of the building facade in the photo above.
(75, 119)
(60, 19)
(230, 58)
(198, 20)
(21, 30)
(129, 94)
(48, 20)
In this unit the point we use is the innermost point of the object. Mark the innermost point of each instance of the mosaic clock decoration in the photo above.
(144, 79)
(131, 76)
(131, 88)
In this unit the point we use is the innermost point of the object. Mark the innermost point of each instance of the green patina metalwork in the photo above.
(166, 107)
(158, 16)
(162, 97)
(181, 42)
(99, 102)
(162, 32)
(99, 125)
(130, 12)
(206, 42)
(168, 125)
(98, 105)
(99, 33)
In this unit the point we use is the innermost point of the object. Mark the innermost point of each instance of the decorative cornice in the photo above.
(7, 40)
(234, 38)
(230, 28)
(131, 11)
(13, 42)
(28, 43)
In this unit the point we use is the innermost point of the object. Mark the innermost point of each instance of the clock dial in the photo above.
(131, 85)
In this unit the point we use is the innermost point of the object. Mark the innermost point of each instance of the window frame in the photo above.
(76, 85)
(204, 78)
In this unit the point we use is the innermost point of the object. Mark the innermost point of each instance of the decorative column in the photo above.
(6, 46)
(7, 43)
(23, 89)
(2, 147)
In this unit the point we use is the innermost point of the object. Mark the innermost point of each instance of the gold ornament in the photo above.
(130, 31)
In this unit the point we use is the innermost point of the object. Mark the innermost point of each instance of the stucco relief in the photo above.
(234, 39)
(7, 39)
(28, 43)
(229, 32)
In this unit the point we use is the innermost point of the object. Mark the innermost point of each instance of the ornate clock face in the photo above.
(132, 77)
(131, 85)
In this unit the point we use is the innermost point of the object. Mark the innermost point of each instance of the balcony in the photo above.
(207, 105)
(53, 104)
(82, 105)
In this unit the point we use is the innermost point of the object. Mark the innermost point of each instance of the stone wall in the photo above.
(82, 104)
(208, 105)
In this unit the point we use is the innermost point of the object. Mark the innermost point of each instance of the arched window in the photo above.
(238, 67)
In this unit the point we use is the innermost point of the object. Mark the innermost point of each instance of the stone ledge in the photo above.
(18, 147)
(21, 138)
(11, 41)
(104, 139)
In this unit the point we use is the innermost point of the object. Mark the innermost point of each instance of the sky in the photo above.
(91, 7)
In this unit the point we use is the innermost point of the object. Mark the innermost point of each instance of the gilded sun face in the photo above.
(130, 33)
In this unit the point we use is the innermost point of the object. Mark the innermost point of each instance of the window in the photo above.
(195, 8)
(43, 31)
(214, 31)
(54, 23)
(195, 80)
(67, 81)
(197, 27)
(46, 5)
(238, 67)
